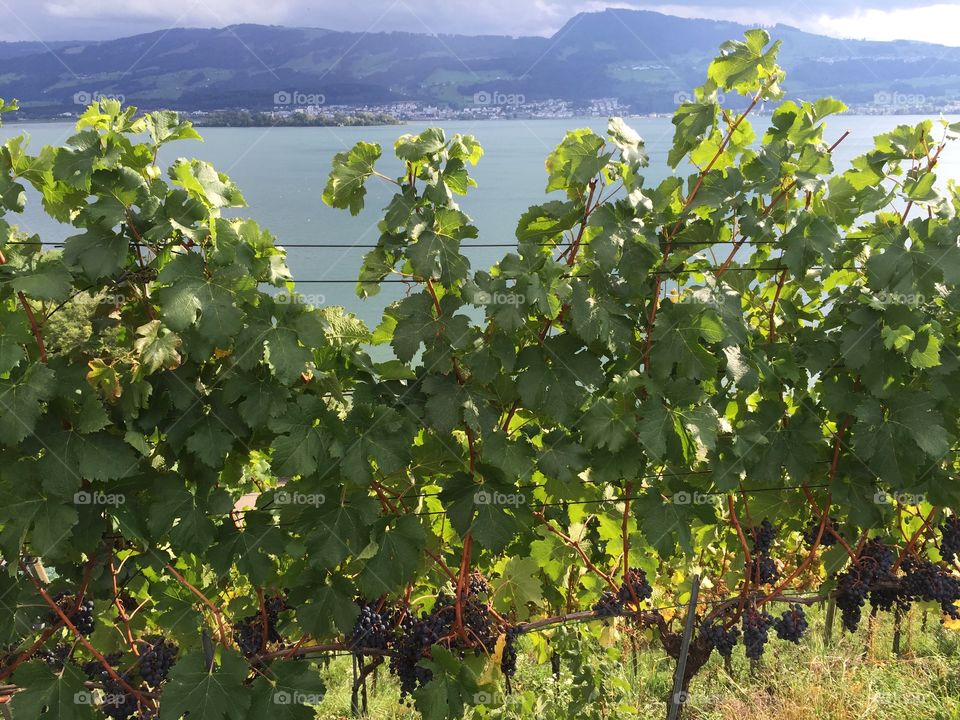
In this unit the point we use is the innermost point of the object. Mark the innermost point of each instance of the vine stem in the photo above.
(772, 334)
(837, 536)
(576, 546)
(471, 448)
(766, 211)
(783, 193)
(121, 610)
(443, 565)
(824, 515)
(672, 234)
(34, 327)
(138, 243)
(743, 539)
(263, 617)
(46, 634)
(83, 641)
(911, 544)
(931, 164)
(462, 581)
(203, 598)
(571, 255)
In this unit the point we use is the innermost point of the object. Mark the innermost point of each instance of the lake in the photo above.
(282, 172)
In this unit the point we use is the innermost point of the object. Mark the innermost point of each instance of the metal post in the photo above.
(677, 699)
(828, 625)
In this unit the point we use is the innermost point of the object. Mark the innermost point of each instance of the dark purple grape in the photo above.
(756, 626)
(791, 625)
(722, 640)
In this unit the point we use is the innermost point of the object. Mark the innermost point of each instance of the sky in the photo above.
(103, 19)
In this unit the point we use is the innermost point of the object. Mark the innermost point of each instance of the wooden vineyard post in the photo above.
(678, 697)
(828, 625)
(896, 633)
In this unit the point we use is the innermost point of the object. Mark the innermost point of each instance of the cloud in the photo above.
(931, 23)
(100, 19)
(170, 13)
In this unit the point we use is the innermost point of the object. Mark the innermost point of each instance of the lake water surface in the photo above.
(282, 172)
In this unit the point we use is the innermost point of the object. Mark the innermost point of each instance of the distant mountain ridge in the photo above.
(645, 59)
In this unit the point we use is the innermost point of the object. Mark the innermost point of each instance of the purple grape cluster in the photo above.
(827, 539)
(372, 629)
(950, 538)
(756, 626)
(414, 637)
(508, 661)
(791, 625)
(763, 538)
(248, 633)
(117, 702)
(635, 581)
(477, 586)
(923, 580)
(54, 658)
(635, 585)
(156, 662)
(723, 640)
(872, 568)
(81, 618)
(608, 605)
(763, 570)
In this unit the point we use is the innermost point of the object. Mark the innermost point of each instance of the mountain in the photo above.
(645, 59)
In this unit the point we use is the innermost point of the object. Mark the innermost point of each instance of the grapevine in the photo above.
(511, 449)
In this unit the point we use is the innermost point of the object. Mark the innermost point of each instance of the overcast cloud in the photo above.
(101, 19)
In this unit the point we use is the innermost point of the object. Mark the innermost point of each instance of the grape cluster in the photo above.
(876, 561)
(756, 626)
(813, 529)
(81, 618)
(248, 633)
(128, 602)
(54, 658)
(156, 662)
(635, 585)
(608, 605)
(636, 581)
(508, 661)
(791, 625)
(721, 639)
(555, 664)
(852, 592)
(763, 538)
(950, 543)
(924, 580)
(372, 628)
(94, 669)
(414, 636)
(479, 623)
(889, 598)
(763, 570)
(872, 567)
(117, 702)
(477, 586)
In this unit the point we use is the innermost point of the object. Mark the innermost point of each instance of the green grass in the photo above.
(856, 677)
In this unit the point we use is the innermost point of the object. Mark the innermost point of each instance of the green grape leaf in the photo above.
(215, 693)
(46, 694)
(22, 402)
(397, 557)
(346, 187)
